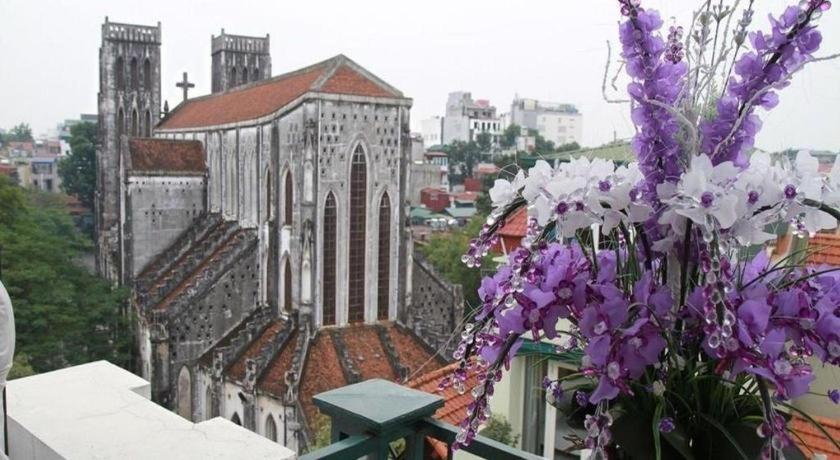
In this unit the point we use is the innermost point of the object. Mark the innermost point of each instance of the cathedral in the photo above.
(262, 231)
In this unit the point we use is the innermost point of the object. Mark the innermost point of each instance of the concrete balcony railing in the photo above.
(369, 416)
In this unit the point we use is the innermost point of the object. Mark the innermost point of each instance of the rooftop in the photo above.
(338, 75)
(165, 155)
(98, 410)
(824, 248)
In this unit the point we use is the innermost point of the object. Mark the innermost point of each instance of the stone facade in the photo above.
(129, 105)
(234, 215)
(437, 307)
(239, 60)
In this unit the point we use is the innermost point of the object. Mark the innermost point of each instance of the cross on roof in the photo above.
(185, 85)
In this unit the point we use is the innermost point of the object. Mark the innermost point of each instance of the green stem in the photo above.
(684, 270)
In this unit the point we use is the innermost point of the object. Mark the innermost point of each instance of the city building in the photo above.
(558, 123)
(467, 118)
(432, 131)
(43, 174)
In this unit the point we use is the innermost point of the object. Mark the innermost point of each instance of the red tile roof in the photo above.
(165, 155)
(323, 371)
(516, 225)
(338, 75)
(237, 368)
(824, 248)
(454, 408)
(811, 440)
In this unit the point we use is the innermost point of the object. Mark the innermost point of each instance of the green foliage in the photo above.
(20, 133)
(321, 427)
(509, 137)
(568, 147)
(463, 156)
(444, 252)
(78, 171)
(499, 429)
(21, 367)
(484, 141)
(63, 314)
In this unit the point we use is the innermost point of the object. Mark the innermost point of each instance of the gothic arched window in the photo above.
(232, 77)
(135, 78)
(244, 75)
(119, 73)
(209, 411)
(185, 393)
(287, 198)
(120, 129)
(270, 428)
(148, 122)
(384, 259)
(147, 75)
(287, 286)
(329, 281)
(356, 270)
(235, 419)
(135, 129)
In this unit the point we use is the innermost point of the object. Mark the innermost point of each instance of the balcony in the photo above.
(369, 417)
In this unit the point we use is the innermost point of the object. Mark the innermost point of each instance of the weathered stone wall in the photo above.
(158, 210)
(437, 307)
(239, 60)
(422, 175)
(129, 104)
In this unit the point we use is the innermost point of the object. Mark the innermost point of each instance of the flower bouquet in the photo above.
(655, 270)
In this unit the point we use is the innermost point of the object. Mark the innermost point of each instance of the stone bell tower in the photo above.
(129, 105)
(238, 60)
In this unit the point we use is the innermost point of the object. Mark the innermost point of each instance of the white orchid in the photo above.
(704, 194)
(504, 191)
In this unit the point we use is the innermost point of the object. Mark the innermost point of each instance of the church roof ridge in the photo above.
(336, 75)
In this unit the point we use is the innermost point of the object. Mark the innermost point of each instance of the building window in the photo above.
(356, 271)
(135, 129)
(235, 419)
(384, 258)
(244, 75)
(119, 73)
(270, 428)
(148, 131)
(329, 236)
(147, 75)
(287, 286)
(287, 199)
(135, 79)
(232, 77)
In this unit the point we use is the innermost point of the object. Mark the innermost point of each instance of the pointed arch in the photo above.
(148, 124)
(384, 258)
(185, 393)
(235, 419)
(119, 73)
(270, 428)
(328, 296)
(232, 77)
(120, 128)
(358, 235)
(287, 285)
(135, 128)
(208, 403)
(244, 75)
(288, 197)
(147, 74)
(135, 78)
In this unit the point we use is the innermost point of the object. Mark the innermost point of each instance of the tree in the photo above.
(20, 133)
(508, 139)
(444, 253)
(78, 170)
(499, 429)
(485, 142)
(568, 147)
(64, 315)
(463, 156)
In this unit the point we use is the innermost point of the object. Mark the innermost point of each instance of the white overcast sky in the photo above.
(552, 50)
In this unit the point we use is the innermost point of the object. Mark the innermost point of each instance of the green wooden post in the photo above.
(381, 409)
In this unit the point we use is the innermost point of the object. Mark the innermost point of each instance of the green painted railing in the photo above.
(368, 416)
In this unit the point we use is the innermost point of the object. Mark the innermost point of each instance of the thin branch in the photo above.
(692, 131)
(826, 58)
(604, 82)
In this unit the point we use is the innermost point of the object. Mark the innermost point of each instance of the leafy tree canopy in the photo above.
(63, 314)
(444, 253)
(78, 170)
(499, 429)
(19, 133)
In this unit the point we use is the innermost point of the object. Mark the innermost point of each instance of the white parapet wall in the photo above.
(101, 411)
